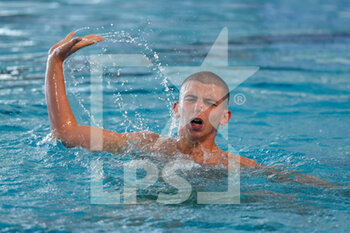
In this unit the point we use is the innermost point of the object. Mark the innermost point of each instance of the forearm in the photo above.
(285, 176)
(60, 113)
(62, 121)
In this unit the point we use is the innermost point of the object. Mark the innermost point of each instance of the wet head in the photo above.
(202, 106)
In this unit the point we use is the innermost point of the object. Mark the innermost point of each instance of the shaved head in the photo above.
(208, 77)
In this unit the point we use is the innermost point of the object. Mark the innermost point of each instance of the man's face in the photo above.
(201, 110)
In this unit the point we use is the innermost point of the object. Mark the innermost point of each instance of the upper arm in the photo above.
(97, 139)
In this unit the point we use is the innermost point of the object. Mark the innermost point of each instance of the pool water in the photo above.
(296, 116)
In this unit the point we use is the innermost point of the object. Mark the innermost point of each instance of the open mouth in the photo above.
(197, 123)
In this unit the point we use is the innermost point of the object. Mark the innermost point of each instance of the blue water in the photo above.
(296, 116)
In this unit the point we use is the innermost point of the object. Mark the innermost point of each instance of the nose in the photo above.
(199, 106)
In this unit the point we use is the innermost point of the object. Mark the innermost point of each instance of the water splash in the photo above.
(114, 42)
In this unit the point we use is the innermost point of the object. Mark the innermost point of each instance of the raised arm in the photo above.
(63, 124)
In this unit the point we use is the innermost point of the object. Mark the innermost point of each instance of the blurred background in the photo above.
(296, 114)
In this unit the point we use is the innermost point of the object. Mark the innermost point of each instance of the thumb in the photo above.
(66, 49)
(71, 43)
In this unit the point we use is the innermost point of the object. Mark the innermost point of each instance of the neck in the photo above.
(207, 154)
(191, 147)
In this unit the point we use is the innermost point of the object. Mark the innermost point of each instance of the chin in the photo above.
(195, 136)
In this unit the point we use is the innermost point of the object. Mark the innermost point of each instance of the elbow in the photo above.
(67, 144)
(64, 136)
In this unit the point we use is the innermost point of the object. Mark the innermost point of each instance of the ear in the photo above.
(176, 110)
(225, 117)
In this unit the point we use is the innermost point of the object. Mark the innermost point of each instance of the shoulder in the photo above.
(242, 161)
(142, 138)
(150, 141)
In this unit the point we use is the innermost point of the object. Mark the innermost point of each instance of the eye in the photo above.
(211, 103)
(190, 99)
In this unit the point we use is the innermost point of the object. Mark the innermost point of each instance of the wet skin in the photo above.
(200, 110)
(197, 100)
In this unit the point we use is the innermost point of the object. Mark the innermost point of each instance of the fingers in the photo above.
(69, 36)
(70, 45)
(65, 49)
(86, 41)
(93, 37)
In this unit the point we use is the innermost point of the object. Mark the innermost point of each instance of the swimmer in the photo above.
(201, 110)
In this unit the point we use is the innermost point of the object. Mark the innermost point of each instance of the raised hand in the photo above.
(70, 45)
